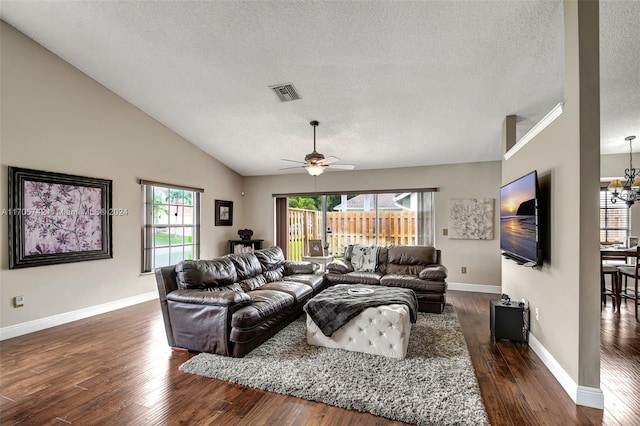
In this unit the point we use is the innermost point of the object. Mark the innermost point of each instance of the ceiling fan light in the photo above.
(314, 169)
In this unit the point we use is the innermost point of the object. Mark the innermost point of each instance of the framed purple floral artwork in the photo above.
(57, 218)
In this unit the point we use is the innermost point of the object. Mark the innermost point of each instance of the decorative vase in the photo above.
(245, 234)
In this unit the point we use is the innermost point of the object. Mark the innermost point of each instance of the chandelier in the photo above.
(629, 191)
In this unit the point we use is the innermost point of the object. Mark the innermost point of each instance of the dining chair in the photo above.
(609, 266)
(632, 272)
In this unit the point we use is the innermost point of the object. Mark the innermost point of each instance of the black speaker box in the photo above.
(509, 321)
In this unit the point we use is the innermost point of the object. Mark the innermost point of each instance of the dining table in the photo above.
(618, 253)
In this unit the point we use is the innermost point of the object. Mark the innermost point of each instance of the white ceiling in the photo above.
(393, 83)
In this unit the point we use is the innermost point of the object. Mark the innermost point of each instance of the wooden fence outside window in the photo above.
(352, 227)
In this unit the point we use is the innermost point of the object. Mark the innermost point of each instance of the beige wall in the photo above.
(55, 118)
(470, 180)
(566, 155)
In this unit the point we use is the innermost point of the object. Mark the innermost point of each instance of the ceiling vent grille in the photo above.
(285, 92)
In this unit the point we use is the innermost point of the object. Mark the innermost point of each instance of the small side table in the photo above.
(244, 246)
(322, 260)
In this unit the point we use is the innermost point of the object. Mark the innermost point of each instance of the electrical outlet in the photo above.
(445, 232)
(537, 314)
(463, 269)
(18, 301)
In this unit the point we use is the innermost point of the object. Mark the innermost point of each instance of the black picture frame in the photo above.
(58, 218)
(224, 213)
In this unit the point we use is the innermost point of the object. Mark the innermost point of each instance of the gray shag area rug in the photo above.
(434, 385)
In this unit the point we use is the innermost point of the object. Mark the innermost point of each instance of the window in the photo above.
(379, 218)
(171, 224)
(615, 220)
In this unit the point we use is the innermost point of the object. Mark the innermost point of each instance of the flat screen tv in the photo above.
(519, 220)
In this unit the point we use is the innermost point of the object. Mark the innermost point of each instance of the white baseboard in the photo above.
(581, 395)
(590, 397)
(52, 321)
(478, 288)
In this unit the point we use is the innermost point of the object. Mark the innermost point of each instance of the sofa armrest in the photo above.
(292, 267)
(201, 320)
(433, 273)
(340, 267)
(212, 298)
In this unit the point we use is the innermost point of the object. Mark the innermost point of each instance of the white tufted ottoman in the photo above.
(381, 330)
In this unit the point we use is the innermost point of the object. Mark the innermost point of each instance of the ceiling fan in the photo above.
(315, 163)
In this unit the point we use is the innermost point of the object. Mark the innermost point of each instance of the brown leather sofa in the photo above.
(232, 304)
(416, 267)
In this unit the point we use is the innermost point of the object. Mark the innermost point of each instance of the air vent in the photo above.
(285, 92)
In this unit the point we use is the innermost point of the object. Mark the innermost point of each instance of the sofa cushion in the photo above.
(414, 283)
(340, 267)
(383, 259)
(412, 255)
(434, 273)
(247, 265)
(205, 273)
(364, 258)
(300, 292)
(412, 270)
(229, 287)
(297, 267)
(253, 283)
(315, 281)
(355, 277)
(348, 252)
(275, 274)
(272, 261)
(270, 258)
(218, 298)
(410, 260)
(265, 304)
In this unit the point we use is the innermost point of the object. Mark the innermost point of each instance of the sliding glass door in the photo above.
(337, 220)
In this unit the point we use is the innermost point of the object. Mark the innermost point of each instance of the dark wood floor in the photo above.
(116, 369)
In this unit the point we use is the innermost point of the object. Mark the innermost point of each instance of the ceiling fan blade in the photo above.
(291, 168)
(330, 159)
(293, 161)
(342, 166)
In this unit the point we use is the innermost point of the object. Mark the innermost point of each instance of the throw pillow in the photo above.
(364, 258)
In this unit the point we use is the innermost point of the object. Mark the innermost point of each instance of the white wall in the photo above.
(469, 180)
(55, 118)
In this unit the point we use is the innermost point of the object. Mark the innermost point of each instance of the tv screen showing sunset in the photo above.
(518, 217)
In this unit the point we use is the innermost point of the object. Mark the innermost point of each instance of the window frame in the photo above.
(149, 246)
(606, 206)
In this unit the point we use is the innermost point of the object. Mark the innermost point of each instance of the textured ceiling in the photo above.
(393, 84)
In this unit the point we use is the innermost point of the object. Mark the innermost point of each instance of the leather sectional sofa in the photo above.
(416, 267)
(232, 304)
